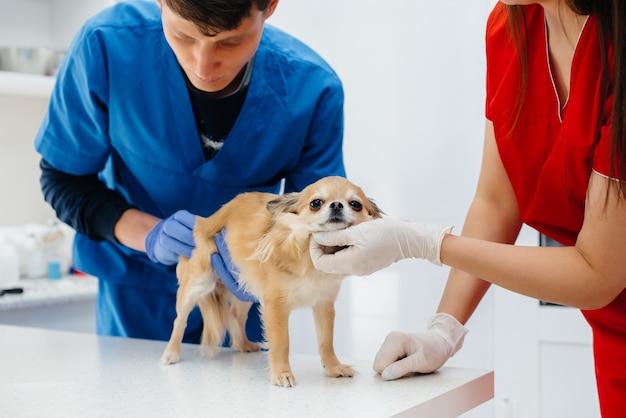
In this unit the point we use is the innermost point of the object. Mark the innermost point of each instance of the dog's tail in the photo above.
(215, 315)
(207, 228)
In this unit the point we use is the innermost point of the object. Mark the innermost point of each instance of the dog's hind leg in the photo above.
(324, 317)
(214, 312)
(237, 325)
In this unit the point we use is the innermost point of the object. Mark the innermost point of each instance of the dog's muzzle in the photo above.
(336, 213)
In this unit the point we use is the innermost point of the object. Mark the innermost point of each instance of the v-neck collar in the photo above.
(561, 109)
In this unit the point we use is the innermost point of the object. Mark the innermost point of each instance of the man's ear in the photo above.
(271, 8)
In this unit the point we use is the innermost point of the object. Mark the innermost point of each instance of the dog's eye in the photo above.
(316, 204)
(357, 206)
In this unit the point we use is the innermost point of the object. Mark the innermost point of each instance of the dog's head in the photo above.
(328, 204)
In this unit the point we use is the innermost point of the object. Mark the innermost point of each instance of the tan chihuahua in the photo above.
(268, 238)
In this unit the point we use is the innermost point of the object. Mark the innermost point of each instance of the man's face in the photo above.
(212, 62)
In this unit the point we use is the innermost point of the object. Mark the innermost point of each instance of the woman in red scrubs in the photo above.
(555, 159)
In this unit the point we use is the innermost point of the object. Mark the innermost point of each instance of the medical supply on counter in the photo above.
(9, 264)
(43, 250)
(34, 258)
(12, 291)
(54, 269)
(53, 243)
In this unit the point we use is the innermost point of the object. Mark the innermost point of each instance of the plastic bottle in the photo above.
(9, 264)
(53, 241)
(35, 266)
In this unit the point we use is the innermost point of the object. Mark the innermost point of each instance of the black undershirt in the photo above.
(215, 116)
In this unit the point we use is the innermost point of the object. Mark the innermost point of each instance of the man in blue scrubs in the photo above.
(167, 110)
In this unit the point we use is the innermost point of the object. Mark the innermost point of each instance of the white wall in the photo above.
(413, 74)
(51, 23)
(25, 23)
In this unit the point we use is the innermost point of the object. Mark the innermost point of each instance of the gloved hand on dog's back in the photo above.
(171, 238)
(376, 244)
(227, 270)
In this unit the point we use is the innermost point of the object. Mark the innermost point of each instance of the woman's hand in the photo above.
(425, 352)
(373, 245)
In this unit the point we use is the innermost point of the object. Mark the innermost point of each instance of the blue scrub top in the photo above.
(120, 108)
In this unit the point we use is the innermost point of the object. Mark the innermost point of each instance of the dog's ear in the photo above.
(373, 208)
(285, 203)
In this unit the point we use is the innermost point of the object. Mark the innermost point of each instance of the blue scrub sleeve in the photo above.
(83, 202)
(323, 152)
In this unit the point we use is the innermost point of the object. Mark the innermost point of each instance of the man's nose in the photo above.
(207, 60)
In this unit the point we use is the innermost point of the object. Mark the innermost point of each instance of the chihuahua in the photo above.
(268, 239)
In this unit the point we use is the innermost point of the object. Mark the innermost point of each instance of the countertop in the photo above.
(42, 292)
(63, 374)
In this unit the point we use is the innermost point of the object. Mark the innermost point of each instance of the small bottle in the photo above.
(54, 269)
(53, 241)
(35, 263)
(9, 264)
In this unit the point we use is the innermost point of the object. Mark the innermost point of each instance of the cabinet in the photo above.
(543, 357)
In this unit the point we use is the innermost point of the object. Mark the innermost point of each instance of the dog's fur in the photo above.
(268, 238)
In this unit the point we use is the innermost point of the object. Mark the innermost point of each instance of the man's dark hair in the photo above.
(215, 16)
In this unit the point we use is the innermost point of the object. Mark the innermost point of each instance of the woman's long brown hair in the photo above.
(611, 18)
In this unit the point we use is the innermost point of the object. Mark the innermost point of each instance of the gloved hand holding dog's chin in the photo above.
(425, 352)
(376, 244)
(227, 270)
(171, 238)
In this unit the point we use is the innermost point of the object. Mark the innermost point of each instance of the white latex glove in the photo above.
(402, 353)
(376, 244)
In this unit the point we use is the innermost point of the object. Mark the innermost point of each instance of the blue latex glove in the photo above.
(171, 238)
(227, 270)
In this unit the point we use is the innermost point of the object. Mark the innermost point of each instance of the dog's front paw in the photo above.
(339, 370)
(170, 357)
(284, 379)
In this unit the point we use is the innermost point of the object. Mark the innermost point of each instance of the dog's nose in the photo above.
(336, 205)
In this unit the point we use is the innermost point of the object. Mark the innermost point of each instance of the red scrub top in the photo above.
(549, 156)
